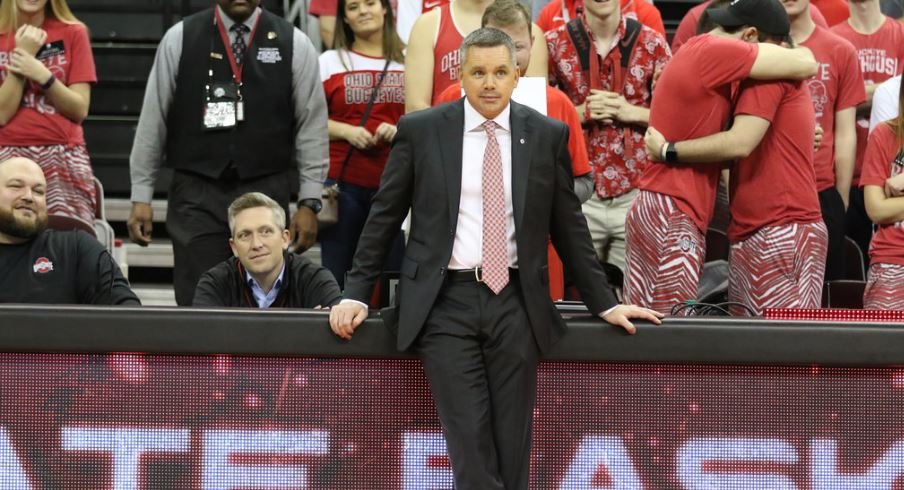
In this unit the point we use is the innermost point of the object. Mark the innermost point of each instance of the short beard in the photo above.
(19, 228)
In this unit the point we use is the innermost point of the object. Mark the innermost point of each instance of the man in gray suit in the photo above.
(487, 181)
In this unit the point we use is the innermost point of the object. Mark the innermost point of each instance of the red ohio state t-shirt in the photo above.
(348, 81)
(692, 100)
(837, 85)
(776, 184)
(69, 58)
(881, 57)
(879, 164)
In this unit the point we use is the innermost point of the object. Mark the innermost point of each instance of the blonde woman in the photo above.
(46, 72)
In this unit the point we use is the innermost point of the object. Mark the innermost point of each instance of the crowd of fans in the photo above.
(791, 107)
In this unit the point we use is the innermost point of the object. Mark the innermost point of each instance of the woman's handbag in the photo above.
(329, 199)
(329, 212)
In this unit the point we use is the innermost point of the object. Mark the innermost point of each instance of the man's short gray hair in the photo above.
(256, 200)
(486, 37)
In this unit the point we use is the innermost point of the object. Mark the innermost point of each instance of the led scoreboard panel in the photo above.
(175, 399)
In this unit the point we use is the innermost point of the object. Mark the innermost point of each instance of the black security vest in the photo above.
(264, 143)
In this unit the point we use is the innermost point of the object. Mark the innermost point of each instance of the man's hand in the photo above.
(595, 106)
(303, 229)
(621, 316)
(654, 140)
(894, 186)
(616, 107)
(817, 137)
(30, 38)
(385, 132)
(346, 317)
(141, 223)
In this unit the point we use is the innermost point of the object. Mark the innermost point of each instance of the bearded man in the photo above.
(49, 266)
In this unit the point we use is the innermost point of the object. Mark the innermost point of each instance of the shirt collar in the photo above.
(228, 22)
(473, 119)
(619, 32)
(253, 284)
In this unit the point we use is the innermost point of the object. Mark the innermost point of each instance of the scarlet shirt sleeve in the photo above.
(687, 28)
(81, 69)
(561, 108)
(544, 19)
(760, 99)
(880, 153)
(727, 60)
(323, 7)
(851, 91)
(452, 92)
(649, 15)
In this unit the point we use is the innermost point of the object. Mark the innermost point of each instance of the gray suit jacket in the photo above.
(424, 174)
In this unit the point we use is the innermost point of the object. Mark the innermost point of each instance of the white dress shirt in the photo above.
(885, 102)
(467, 250)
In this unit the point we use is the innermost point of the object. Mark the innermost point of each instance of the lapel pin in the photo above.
(271, 35)
(522, 141)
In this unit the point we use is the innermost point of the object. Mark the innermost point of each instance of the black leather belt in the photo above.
(472, 275)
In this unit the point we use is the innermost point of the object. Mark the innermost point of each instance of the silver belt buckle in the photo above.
(477, 274)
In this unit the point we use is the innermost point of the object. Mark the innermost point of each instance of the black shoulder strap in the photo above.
(370, 105)
(581, 41)
(626, 45)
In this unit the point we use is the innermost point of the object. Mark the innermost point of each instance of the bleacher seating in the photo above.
(124, 35)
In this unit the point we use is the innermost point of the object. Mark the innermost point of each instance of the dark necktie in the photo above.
(238, 45)
(495, 250)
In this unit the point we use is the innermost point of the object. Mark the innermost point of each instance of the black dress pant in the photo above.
(198, 226)
(858, 224)
(480, 357)
(833, 214)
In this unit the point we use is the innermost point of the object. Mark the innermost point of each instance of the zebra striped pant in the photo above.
(884, 287)
(70, 180)
(664, 253)
(779, 267)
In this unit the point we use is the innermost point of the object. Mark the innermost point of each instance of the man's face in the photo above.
(23, 208)
(796, 8)
(258, 241)
(602, 9)
(488, 78)
(238, 10)
(521, 36)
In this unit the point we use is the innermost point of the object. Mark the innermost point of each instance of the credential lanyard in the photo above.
(236, 71)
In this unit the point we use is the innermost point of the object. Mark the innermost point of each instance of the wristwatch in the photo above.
(671, 153)
(312, 204)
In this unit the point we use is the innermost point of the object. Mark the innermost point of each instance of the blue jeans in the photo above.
(338, 242)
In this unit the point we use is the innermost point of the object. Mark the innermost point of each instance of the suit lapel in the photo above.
(450, 136)
(521, 160)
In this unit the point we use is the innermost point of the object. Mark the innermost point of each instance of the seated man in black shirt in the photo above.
(262, 274)
(48, 266)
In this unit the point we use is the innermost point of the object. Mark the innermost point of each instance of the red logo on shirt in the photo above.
(43, 265)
